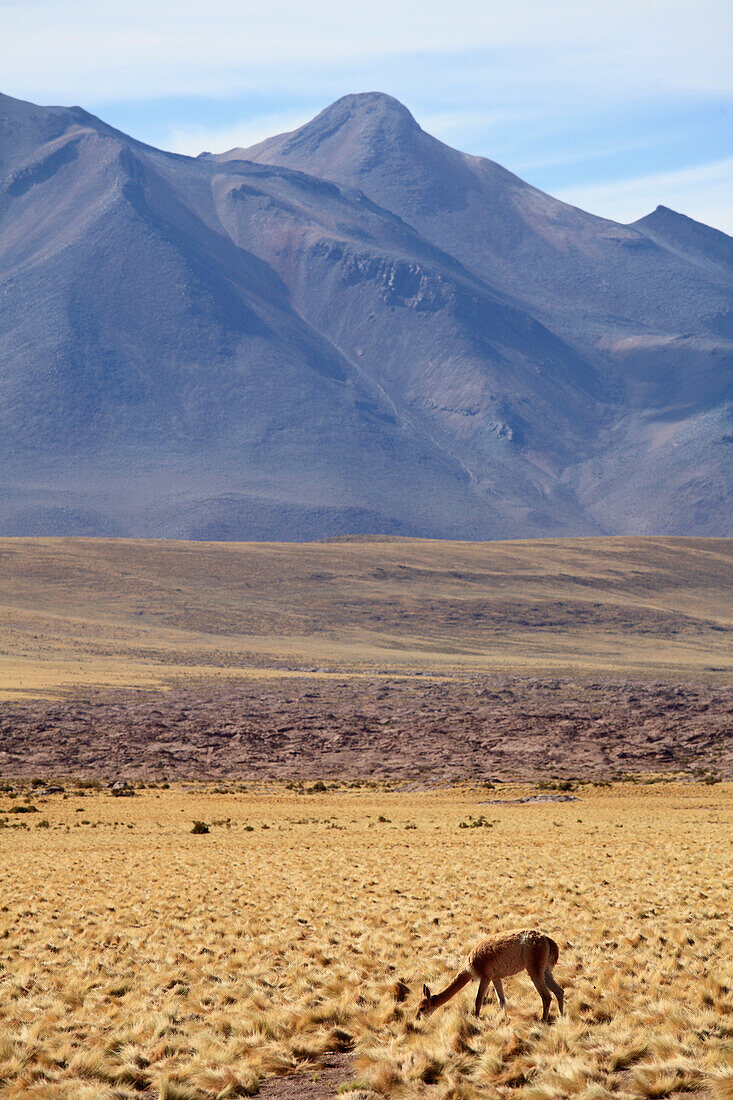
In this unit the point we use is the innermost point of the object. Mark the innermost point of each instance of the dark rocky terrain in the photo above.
(414, 730)
(351, 328)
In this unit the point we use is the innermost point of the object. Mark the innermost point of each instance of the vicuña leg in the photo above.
(500, 992)
(556, 989)
(538, 978)
(483, 985)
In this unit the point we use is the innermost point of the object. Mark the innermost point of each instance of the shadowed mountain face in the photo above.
(349, 328)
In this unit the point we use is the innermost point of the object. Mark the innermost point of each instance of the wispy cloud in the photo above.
(65, 48)
(192, 140)
(702, 192)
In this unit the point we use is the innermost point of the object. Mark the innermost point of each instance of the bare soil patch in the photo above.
(316, 1084)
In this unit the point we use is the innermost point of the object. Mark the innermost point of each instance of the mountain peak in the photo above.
(360, 125)
(665, 215)
(661, 213)
(368, 105)
(372, 118)
(697, 242)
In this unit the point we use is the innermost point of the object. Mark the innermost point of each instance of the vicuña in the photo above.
(497, 957)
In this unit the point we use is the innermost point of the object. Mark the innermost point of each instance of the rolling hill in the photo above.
(75, 613)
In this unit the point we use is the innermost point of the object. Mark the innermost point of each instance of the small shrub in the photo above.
(44, 823)
(23, 810)
(479, 822)
(200, 827)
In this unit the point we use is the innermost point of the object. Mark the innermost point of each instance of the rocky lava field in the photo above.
(411, 730)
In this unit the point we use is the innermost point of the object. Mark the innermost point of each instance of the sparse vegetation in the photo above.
(123, 791)
(559, 785)
(198, 970)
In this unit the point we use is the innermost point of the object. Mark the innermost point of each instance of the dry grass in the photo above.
(77, 612)
(139, 959)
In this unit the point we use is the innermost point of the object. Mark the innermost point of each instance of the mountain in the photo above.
(348, 328)
(493, 222)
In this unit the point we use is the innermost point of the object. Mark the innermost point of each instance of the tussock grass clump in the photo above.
(137, 962)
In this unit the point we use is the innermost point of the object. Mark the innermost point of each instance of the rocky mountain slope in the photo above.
(349, 328)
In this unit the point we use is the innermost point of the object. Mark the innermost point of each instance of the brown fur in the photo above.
(498, 957)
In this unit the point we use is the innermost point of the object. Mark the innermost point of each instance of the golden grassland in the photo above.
(140, 959)
(84, 612)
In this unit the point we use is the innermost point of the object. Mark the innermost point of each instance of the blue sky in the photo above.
(614, 106)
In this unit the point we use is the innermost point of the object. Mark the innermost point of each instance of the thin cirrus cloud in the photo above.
(590, 100)
(702, 192)
(192, 140)
(139, 49)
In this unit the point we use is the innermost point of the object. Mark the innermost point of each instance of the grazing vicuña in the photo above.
(497, 957)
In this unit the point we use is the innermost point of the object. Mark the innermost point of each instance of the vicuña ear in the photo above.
(426, 992)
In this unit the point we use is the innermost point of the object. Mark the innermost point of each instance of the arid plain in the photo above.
(359, 725)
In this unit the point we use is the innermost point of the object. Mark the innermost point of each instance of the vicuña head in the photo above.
(497, 957)
(427, 1005)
